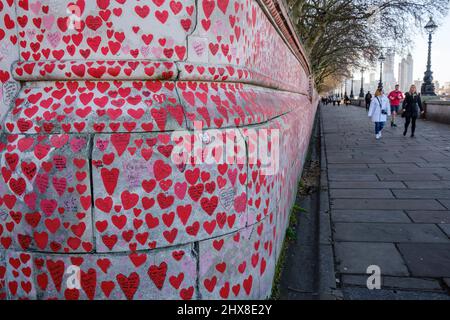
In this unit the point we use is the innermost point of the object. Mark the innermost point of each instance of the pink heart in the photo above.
(77, 144)
(232, 173)
(180, 190)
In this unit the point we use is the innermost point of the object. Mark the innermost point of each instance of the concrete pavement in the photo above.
(389, 205)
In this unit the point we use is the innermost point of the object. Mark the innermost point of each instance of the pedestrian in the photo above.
(368, 100)
(346, 100)
(411, 106)
(339, 102)
(379, 111)
(395, 97)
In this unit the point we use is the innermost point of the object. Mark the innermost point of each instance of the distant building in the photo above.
(446, 89)
(405, 73)
(357, 88)
(389, 80)
(418, 84)
(437, 85)
(373, 82)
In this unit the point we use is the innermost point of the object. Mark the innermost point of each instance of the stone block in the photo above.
(149, 17)
(20, 275)
(233, 104)
(235, 266)
(46, 193)
(159, 274)
(9, 87)
(3, 289)
(146, 198)
(96, 107)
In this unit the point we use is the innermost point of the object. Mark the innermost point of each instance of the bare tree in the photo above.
(341, 35)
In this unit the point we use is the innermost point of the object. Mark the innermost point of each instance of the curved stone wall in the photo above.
(150, 148)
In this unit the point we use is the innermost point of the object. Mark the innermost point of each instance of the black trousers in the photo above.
(409, 120)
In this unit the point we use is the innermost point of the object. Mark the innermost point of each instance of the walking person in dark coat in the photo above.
(411, 106)
(368, 99)
(346, 100)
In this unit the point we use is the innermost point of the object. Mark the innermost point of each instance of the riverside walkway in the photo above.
(389, 205)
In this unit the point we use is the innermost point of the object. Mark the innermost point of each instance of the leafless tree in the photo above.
(341, 35)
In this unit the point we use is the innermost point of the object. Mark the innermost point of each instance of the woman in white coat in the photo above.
(379, 111)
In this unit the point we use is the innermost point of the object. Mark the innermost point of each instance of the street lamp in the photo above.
(428, 85)
(381, 58)
(361, 92)
(352, 96)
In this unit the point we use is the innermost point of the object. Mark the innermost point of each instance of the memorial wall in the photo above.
(148, 149)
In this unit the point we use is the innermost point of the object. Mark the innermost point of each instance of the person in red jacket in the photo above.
(395, 98)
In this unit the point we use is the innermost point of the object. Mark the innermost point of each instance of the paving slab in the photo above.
(447, 282)
(436, 158)
(445, 202)
(389, 232)
(422, 194)
(430, 216)
(352, 177)
(434, 165)
(445, 228)
(366, 185)
(388, 282)
(443, 175)
(361, 193)
(357, 160)
(408, 177)
(404, 160)
(415, 170)
(427, 184)
(356, 257)
(427, 259)
(386, 204)
(347, 166)
(392, 216)
(391, 165)
(366, 294)
(358, 171)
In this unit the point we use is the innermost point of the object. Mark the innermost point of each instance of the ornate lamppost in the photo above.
(352, 96)
(361, 92)
(428, 85)
(381, 58)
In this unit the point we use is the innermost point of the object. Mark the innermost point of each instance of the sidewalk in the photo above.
(390, 205)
